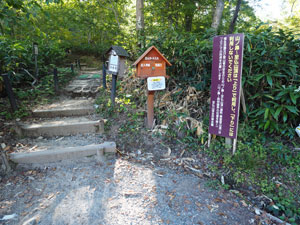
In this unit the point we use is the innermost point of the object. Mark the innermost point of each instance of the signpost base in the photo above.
(113, 89)
(150, 109)
(104, 75)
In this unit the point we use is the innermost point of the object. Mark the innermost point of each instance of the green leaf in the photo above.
(277, 113)
(293, 98)
(267, 124)
(292, 109)
(285, 116)
(266, 113)
(269, 79)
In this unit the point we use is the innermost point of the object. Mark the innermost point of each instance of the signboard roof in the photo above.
(147, 51)
(119, 51)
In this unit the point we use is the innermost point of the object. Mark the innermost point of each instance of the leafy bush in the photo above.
(270, 78)
(270, 72)
(16, 55)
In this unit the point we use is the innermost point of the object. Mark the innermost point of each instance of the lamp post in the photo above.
(35, 53)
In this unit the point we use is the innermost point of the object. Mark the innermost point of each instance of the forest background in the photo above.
(183, 31)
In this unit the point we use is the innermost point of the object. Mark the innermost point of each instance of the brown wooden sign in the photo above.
(151, 64)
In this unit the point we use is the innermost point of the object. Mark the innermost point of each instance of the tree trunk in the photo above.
(235, 16)
(169, 12)
(140, 25)
(218, 14)
(188, 20)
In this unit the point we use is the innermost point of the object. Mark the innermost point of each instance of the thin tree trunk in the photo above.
(169, 10)
(218, 14)
(235, 16)
(188, 20)
(140, 25)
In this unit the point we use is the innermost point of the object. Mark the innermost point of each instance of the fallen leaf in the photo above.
(244, 203)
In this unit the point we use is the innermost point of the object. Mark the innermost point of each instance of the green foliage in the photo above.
(270, 72)
(270, 80)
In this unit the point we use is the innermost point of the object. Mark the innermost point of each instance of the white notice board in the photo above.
(113, 63)
(156, 83)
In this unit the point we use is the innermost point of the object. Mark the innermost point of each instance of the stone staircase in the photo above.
(54, 129)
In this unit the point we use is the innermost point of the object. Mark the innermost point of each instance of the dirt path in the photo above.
(132, 188)
(117, 191)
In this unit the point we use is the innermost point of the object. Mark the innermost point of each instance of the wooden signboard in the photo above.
(152, 64)
(116, 66)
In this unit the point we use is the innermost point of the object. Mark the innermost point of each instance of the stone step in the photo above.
(65, 108)
(58, 154)
(61, 127)
(83, 87)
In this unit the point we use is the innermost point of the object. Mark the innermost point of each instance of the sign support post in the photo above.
(150, 109)
(104, 75)
(113, 88)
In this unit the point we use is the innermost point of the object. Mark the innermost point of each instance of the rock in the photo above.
(3, 145)
(257, 211)
(32, 221)
(139, 152)
(40, 138)
(9, 217)
(18, 119)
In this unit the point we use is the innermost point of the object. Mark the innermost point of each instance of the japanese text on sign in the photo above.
(113, 63)
(152, 58)
(226, 84)
(156, 83)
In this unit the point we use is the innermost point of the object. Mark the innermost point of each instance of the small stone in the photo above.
(18, 119)
(139, 152)
(1, 133)
(3, 146)
(40, 138)
(32, 221)
(257, 212)
(90, 98)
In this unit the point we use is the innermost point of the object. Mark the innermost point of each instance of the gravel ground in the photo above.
(117, 191)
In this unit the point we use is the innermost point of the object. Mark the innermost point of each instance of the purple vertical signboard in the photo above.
(226, 84)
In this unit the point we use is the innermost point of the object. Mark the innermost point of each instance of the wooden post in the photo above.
(55, 78)
(150, 109)
(10, 92)
(113, 89)
(209, 140)
(36, 67)
(234, 146)
(228, 142)
(104, 75)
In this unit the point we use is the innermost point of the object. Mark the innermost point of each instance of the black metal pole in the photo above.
(10, 92)
(104, 75)
(113, 89)
(55, 78)
(79, 64)
(72, 68)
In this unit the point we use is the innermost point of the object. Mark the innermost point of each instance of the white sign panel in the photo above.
(113, 63)
(156, 83)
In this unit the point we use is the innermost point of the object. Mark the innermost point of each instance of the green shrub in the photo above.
(270, 72)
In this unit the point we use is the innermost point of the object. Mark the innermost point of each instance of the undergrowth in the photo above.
(27, 96)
